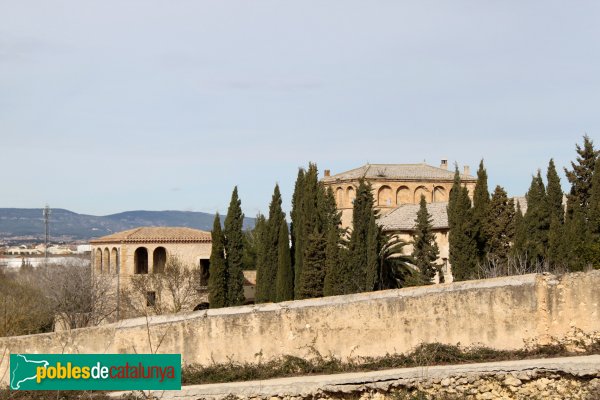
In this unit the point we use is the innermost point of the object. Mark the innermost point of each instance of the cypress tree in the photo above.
(425, 249)
(284, 287)
(297, 224)
(311, 280)
(363, 216)
(557, 248)
(260, 231)
(500, 226)
(555, 193)
(536, 222)
(594, 216)
(252, 244)
(463, 247)
(234, 251)
(481, 201)
(594, 205)
(333, 283)
(267, 269)
(518, 248)
(576, 237)
(372, 277)
(217, 280)
(581, 175)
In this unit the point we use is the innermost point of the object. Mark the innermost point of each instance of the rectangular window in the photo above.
(204, 271)
(150, 299)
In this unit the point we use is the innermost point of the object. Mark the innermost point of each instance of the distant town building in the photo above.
(397, 191)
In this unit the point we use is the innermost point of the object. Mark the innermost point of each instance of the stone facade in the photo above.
(397, 190)
(118, 257)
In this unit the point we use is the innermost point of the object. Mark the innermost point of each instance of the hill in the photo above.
(26, 224)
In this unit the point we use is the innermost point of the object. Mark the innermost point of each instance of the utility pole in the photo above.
(46, 213)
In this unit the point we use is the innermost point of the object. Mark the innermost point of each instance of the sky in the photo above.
(108, 106)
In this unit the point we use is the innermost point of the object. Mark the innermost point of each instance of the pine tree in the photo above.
(284, 287)
(267, 269)
(311, 280)
(217, 280)
(536, 222)
(555, 193)
(500, 226)
(297, 224)
(481, 201)
(463, 247)
(425, 249)
(234, 251)
(581, 175)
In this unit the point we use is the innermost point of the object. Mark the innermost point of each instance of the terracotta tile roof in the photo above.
(403, 217)
(397, 171)
(159, 234)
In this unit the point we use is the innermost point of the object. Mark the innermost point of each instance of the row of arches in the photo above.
(387, 198)
(107, 261)
(140, 260)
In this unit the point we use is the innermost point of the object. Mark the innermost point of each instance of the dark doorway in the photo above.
(140, 260)
(201, 306)
(159, 260)
(204, 271)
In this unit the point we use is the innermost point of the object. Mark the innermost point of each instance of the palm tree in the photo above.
(397, 269)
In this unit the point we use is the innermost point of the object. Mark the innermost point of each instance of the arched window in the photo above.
(106, 259)
(339, 197)
(140, 260)
(439, 194)
(350, 195)
(403, 195)
(384, 196)
(98, 261)
(114, 260)
(159, 260)
(421, 191)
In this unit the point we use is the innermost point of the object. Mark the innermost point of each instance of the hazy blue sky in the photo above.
(108, 106)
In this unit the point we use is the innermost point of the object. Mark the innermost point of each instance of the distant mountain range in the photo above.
(27, 224)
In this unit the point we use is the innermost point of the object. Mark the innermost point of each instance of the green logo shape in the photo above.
(95, 371)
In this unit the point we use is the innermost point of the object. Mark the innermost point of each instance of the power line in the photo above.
(46, 214)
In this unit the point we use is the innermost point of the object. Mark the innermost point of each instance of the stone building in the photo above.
(397, 191)
(118, 257)
(401, 223)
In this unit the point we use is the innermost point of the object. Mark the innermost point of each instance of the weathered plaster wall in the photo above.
(502, 313)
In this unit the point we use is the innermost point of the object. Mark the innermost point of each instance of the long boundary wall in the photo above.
(502, 313)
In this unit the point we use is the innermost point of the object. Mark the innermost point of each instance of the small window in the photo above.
(150, 299)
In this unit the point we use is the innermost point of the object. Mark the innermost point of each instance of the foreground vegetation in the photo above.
(423, 355)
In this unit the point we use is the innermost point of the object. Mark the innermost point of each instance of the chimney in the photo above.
(444, 163)
(467, 170)
(327, 172)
